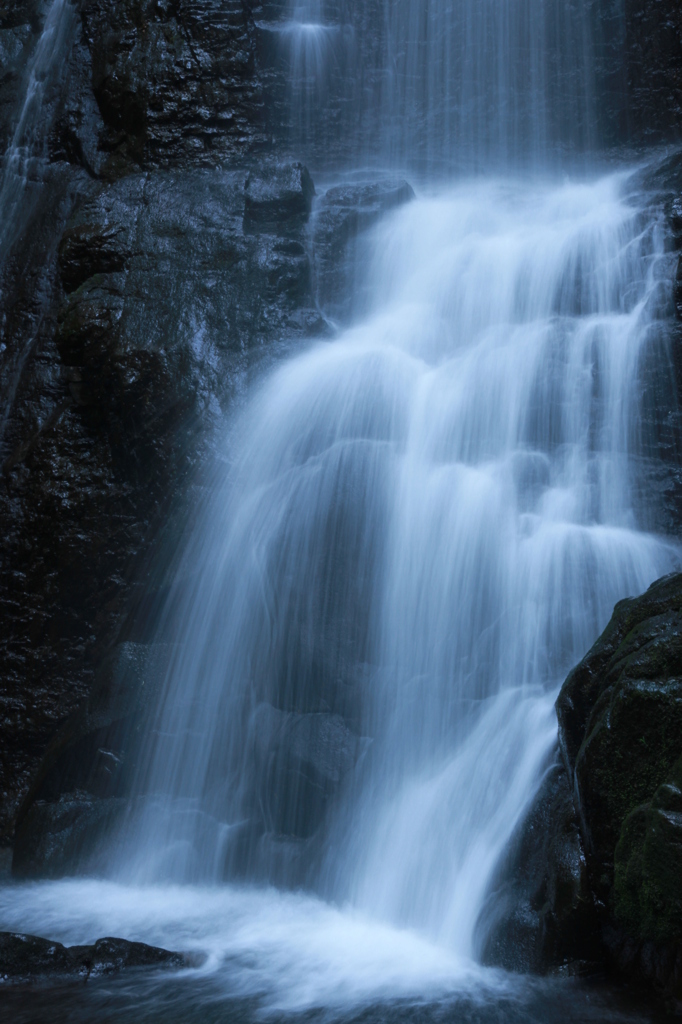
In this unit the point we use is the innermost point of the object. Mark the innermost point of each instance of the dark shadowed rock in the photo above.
(540, 915)
(620, 719)
(176, 83)
(300, 762)
(653, 59)
(340, 217)
(278, 199)
(54, 839)
(657, 473)
(29, 959)
(79, 791)
(162, 310)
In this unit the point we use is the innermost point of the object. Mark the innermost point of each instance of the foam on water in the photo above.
(291, 951)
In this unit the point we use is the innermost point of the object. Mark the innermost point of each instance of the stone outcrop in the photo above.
(653, 47)
(26, 959)
(541, 914)
(592, 880)
(620, 729)
(162, 305)
(146, 287)
(86, 773)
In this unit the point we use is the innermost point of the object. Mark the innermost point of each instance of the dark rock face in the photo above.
(541, 914)
(657, 475)
(26, 959)
(620, 728)
(175, 82)
(278, 199)
(341, 216)
(653, 46)
(79, 790)
(56, 838)
(161, 305)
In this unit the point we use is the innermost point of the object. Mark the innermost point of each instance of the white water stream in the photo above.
(28, 144)
(427, 522)
(423, 524)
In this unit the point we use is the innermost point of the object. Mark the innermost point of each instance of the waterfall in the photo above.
(413, 530)
(29, 140)
(25, 159)
(437, 85)
(425, 523)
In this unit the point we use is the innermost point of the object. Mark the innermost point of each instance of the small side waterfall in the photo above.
(29, 140)
(23, 169)
(427, 522)
(312, 47)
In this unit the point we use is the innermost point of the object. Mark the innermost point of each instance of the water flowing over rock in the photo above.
(333, 570)
(340, 374)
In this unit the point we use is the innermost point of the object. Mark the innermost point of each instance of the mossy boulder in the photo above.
(620, 729)
(647, 890)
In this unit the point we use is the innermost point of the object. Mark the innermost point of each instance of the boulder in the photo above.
(26, 959)
(540, 915)
(620, 729)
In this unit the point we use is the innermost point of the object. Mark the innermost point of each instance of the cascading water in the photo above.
(421, 526)
(443, 87)
(311, 47)
(428, 522)
(25, 159)
(28, 143)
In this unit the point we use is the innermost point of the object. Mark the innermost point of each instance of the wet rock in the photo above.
(278, 199)
(301, 760)
(620, 728)
(28, 959)
(340, 217)
(162, 308)
(653, 49)
(83, 784)
(647, 891)
(541, 915)
(176, 83)
(657, 476)
(58, 838)
(87, 249)
(95, 751)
